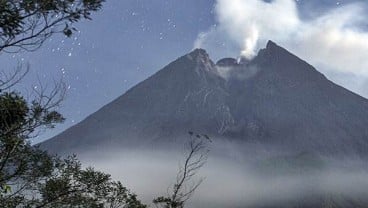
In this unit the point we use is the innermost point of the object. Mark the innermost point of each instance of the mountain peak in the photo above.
(286, 64)
(273, 48)
(278, 54)
(199, 53)
(271, 44)
(201, 58)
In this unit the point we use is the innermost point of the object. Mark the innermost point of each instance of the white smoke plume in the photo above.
(333, 41)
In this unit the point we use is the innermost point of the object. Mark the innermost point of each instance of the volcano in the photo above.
(274, 100)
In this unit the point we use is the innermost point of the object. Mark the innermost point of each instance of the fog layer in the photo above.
(235, 179)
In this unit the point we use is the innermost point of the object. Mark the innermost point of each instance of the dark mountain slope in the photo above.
(275, 99)
(289, 103)
(186, 94)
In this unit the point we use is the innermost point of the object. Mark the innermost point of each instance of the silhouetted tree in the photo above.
(30, 177)
(185, 185)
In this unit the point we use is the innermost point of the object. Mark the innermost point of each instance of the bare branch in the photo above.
(10, 79)
(186, 184)
(45, 99)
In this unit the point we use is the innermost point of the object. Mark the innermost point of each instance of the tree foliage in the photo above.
(30, 177)
(19, 161)
(26, 24)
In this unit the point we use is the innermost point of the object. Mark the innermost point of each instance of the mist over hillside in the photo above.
(231, 180)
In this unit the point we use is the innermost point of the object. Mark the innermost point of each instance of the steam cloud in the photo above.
(333, 41)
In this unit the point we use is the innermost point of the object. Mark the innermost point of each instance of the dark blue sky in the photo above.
(124, 43)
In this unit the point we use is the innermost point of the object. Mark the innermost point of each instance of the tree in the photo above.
(185, 184)
(30, 177)
(26, 24)
(69, 185)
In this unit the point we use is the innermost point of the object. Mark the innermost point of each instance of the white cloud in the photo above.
(248, 21)
(333, 41)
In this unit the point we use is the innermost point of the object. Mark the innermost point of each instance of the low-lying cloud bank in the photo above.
(231, 181)
(336, 40)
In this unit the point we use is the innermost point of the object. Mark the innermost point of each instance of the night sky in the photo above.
(130, 40)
